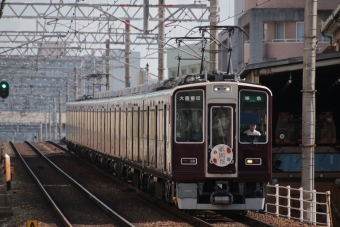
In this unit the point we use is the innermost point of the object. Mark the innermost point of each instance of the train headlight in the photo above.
(274, 182)
(337, 181)
(291, 175)
(221, 88)
(282, 136)
(321, 175)
(253, 161)
(189, 161)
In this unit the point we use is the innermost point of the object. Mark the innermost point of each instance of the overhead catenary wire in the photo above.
(73, 31)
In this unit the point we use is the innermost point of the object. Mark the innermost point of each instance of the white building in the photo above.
(192, 52)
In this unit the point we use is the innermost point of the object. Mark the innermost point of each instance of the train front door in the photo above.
(221, 154)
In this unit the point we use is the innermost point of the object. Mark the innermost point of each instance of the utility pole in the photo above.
(76, 83)
(214, 20)
(127, 55)
(67, 92)
(146, 17)
(54, 120)
(49, 122)
(40, 132)
(308, 107)
(45, 126)
(60, 124)
(161, 41)
(107, 65)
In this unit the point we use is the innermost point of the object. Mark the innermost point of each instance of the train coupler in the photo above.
(221, 195)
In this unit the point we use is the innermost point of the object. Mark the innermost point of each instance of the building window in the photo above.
(280, 31)
(299, 31)
(174, 74)
(184, 72)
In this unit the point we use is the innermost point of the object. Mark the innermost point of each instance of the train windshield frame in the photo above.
(189, 121)
(253, 110)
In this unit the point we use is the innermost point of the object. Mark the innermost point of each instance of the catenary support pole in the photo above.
(308, 106)
(60, 106)
(107, 65)
(127, 55)
(161, 41)
(214, 20)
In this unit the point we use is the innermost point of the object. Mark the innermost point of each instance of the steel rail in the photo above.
(58, 212)
(112, 214)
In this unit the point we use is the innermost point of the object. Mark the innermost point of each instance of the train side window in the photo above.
(327, 162)
(135, 122)
(286, 163)
(129, 121)
(144, 124)
(160, 124)
(152, 125)
(324, 162)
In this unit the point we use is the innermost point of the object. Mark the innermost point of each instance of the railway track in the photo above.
(72, 203)
(197, 218)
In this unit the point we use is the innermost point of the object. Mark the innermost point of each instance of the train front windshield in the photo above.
(323, 162)
(189, 120)
(253, 107)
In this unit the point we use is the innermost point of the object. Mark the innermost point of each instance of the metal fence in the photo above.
(283, 205)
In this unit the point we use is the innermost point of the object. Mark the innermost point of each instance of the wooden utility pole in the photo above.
(214, 20)
(308, 107)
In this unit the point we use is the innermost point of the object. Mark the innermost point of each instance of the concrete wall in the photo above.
(30, 132)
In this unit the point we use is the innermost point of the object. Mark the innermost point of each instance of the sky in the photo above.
(226, 11)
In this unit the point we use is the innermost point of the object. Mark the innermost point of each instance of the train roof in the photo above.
(162, 89)
(167, 84)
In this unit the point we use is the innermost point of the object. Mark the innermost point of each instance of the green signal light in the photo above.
(4, 85)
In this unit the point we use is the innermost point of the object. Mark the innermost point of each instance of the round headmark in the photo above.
(221, 155)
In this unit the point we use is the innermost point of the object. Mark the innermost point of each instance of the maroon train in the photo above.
(182, 140)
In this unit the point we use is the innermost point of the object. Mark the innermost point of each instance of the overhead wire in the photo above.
(74, 31)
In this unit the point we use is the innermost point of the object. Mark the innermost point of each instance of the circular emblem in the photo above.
(221, 155)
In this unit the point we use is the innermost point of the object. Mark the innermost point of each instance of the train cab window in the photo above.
(221, 127)
(253, 112)
(189, 116)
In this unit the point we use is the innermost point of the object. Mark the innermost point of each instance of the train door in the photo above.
(144, 135)
(152, 137)
(129, 136)
(221, 155)
(160, 138)
(135, 132)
